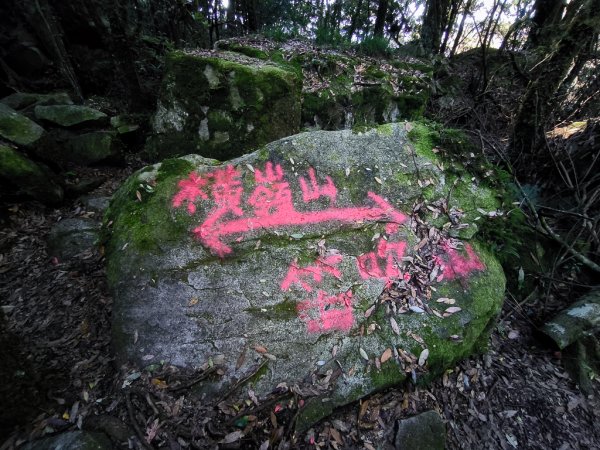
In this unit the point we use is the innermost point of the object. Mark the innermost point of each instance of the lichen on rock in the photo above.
(289, 248)
(221, 105)
(23, 176)
(17, 128)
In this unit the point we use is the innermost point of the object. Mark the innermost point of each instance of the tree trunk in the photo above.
(354, 21)
(536, 103)
(461, 27)
(434, 20)
(547, 15)
(456, 4)
(380, 18)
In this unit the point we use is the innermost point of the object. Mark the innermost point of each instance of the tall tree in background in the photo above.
(546, 19)
(380, 18)
(572, 35)
(438, 22)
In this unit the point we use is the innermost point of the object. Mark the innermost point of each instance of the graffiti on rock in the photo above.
(269, 205)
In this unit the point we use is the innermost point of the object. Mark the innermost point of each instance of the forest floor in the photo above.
(517, 395)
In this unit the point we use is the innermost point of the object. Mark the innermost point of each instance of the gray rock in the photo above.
(69, 115)
(21, 100)
(91, 148)
(69, 237)
(579, 319)
(17, 128)
(64, 147)
(288, 248)
(576, 331)
(221, 105)
(96, 204)
(27, 177)
(73, 440)
(123, 125)
(425, 431)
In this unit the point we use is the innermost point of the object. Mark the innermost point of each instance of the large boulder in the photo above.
(17, 128)
(222, 104)
(281, 255)
(21, 175)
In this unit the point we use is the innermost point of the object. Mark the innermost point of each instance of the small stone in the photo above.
(70, 237)
(425, 431)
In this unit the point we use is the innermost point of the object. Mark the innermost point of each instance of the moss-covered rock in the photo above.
(221, 105)
(64, 148)
(23, 176)
(90, 148)
(21, 100)
(290, 248)
(70, 115)
(17, 128)
(344, 90)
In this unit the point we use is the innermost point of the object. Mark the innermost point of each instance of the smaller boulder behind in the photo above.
(23, 176)
(425, 431)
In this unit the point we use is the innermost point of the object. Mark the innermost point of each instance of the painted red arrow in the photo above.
(212, 232)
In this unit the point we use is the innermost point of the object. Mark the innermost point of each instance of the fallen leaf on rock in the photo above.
(451, 310)
(387, 354)
(423, 357)
(394, 325)
(241, 359)
(447, 301)
(193, 301)
(260, 349)
(363, 353)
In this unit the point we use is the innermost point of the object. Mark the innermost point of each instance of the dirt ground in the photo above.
(517, 395)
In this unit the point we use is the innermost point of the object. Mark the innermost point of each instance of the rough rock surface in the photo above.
(222, 104)
(69, 115)
(90, 148)
(345, 90)
(17, 128)
(70, 237)
(425, 431)
(26, 177)
(277, 260)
